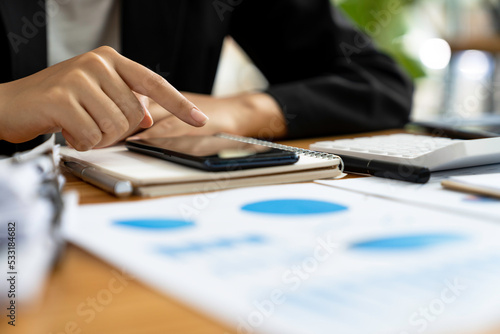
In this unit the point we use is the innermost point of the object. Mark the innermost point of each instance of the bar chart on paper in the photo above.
(220, 244)
(339, 261)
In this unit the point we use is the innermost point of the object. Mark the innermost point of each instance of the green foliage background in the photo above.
(368, 13)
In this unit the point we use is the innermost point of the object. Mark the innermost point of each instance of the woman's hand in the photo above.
(90, 98)
(249, 114)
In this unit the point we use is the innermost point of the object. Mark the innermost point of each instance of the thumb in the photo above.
(147, 121)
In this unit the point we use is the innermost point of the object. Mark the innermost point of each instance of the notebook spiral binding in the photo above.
(299, 151)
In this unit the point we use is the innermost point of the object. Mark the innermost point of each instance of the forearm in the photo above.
(325, 81)
(260, 116)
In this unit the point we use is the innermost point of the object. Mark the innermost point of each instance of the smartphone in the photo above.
(212, 153)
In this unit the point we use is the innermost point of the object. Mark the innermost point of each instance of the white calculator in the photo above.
(435, 153)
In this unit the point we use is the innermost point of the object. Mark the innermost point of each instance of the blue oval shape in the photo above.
(154, 223)
(407, 242)
(293, 207)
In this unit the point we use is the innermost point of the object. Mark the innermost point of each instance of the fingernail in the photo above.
(198, 116)
(134, 138)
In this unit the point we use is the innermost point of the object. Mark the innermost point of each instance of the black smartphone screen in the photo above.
(212, 153)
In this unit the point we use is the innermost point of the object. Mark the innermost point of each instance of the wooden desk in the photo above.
(136, 309)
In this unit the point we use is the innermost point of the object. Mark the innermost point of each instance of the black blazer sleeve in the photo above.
(327, 76)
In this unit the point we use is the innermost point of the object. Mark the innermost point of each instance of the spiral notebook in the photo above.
(153, 177)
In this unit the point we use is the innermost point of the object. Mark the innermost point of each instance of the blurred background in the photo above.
(451, 48)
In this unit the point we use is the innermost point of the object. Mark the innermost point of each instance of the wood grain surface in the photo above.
(81, 279)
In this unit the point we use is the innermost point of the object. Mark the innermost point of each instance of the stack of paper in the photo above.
(31, 212)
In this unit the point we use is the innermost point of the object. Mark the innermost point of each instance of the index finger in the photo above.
(146, 82)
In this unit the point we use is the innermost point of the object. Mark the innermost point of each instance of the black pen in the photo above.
(385, 169)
